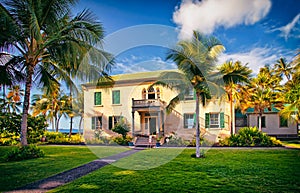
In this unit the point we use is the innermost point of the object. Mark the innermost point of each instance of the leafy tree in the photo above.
(49, 42)
(234, 74)
(195, 61)
(122, 127)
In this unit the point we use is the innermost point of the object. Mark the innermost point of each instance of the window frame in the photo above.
(95, 98)
(186, 123)
(112, 121)
(113, 101)
(97, 122)
(215, 119)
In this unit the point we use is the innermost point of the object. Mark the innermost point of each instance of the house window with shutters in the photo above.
(97, 98)
(112, 121)
(116, 97)
(214, 120)
(189, 120)
(97, 123)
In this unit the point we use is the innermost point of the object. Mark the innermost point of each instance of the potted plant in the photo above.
(158, 141)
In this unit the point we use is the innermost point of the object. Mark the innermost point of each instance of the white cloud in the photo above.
(256, 58)
(142, 64)
(207, 15)
(287, 29)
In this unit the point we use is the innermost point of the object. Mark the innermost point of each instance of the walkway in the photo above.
(52, 182)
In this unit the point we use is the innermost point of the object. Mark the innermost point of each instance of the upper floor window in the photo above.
(144, 93)
(190, 95)
(151, 93)
(97, 98)
(158, 93)
(116, 97)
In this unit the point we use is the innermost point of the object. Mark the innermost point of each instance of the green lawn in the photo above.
(57, 159)
(223, 170)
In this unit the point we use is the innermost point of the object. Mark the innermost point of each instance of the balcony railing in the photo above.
(147, 103)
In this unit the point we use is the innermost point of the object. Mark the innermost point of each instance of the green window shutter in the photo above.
(116, 97)
(222, 120)
(93, 123)
(207, 120)
(185, 125)
(97, 98)
(195, 95)
(110, 119)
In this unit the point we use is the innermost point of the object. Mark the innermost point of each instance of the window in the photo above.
(214, 120)
(112, 121)
(283, 122)
(116, 97)
(96, 123)
(151, 93)
(189, 95)
(158, 93)
(97, 98)
(263, 121)
(189, 121)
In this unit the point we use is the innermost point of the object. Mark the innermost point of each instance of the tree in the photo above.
(234, 74)
(283, 68)
(261, 93)
(195, 60)
(47, 39)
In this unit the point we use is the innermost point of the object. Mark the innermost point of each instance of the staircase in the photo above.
(143, 141)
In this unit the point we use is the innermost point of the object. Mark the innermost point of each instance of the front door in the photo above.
(150, 125)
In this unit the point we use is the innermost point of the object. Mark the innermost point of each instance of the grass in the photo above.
(223, 170)
(57, 159)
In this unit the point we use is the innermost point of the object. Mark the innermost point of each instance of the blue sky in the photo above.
(256, 32)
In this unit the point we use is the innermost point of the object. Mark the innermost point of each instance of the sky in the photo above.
(139, 33)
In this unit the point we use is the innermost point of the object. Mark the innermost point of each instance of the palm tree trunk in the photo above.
(79, 126)
(56, 123)
(26, 105)
(71, 118)
(231, 113)
(198, 154)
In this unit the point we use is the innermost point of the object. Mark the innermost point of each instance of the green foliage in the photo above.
(62, 138)
(174, 140)
(122, 140)
(10, 128)
(122, 127)
(24, 152)
(250, 136)
(100, 140)
(203, 142)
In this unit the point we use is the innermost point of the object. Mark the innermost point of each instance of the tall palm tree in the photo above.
(234, 74)
(47, 38)
(195, 60)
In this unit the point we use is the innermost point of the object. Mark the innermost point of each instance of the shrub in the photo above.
(122, 127)
(250, 136)
(122, 141)
(10, 128)
(62, 138)
(174, 140)
(24, 152)
(203, 142)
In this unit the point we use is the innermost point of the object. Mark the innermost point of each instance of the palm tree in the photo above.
(47, 38)
(234, 74)
(261, 93)
(283, 68)
(195, 60)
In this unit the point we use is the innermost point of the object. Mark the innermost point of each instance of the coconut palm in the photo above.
(261, 93)
(195, 60)
(234, 74)
(282, 68)
(47, 39)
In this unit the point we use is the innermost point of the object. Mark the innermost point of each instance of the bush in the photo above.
(10, 128)
(122, 127)
(62, 138)
(203, 142)
(250, 136)
(24, 152)
(122, 140)
(174, 140)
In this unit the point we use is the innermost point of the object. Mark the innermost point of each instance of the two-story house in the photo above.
(143, 106)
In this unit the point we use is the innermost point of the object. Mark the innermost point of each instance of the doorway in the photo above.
(150, 125)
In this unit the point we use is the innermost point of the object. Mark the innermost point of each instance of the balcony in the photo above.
(154, 104)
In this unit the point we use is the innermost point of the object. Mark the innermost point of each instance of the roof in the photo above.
(139, 77)
(266, 110)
